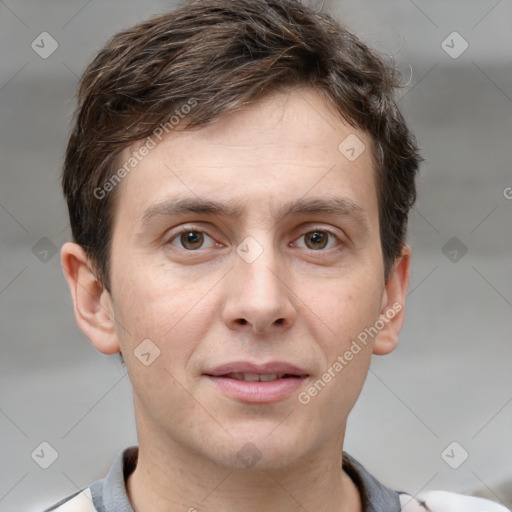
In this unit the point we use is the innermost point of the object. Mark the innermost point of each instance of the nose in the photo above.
(259, 295)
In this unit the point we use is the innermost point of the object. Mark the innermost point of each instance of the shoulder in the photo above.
(444, 501)
(376, 497)
(78, 502)
(105, 494)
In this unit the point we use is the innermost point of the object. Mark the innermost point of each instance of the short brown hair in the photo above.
(227, 54)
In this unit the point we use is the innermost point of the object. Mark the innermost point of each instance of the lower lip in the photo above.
(256, 391)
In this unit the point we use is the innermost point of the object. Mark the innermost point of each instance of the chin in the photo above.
(257, 450)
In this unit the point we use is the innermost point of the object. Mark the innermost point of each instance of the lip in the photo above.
(248, 367)
(256, 391)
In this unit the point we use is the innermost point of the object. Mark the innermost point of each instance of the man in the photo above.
(238, 181)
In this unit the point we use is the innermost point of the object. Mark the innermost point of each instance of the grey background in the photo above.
(449, 380)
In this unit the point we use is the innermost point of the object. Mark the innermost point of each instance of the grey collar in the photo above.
(109, 494)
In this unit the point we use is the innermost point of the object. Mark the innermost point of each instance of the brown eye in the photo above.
(192, 240)
(316, 239)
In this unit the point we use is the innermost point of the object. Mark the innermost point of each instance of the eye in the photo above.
(318, 239)
(191, 239)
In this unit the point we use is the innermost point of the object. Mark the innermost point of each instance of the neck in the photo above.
(169, 477)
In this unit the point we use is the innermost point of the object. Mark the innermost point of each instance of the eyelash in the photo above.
(196, 229)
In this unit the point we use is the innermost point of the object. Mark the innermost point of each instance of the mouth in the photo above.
(259, 377)
(248, 382)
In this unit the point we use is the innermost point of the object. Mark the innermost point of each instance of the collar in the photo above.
(109, 494)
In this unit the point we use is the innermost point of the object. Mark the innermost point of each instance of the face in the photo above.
(252, 241)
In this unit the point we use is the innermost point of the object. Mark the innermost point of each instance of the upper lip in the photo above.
(272, 367)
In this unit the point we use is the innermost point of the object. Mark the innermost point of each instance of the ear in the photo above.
(393, 304)
(94, 312)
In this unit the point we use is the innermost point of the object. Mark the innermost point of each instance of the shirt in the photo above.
(109, 494)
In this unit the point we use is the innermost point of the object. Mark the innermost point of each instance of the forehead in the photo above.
(285, 147)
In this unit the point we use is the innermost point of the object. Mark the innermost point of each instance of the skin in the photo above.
(298, 302)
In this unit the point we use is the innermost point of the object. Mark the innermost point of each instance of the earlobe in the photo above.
(393, 304)
(93, 309)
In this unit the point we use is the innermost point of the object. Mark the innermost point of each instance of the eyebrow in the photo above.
(342, 206)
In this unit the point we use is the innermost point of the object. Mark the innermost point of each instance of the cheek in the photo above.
(165, 308)
(177, 318)
(343, 312)
(341, 308)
